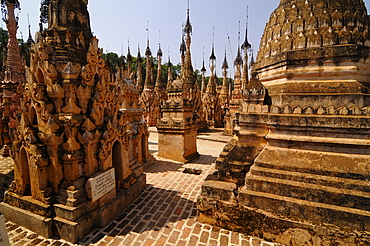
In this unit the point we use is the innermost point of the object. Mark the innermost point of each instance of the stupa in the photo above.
(14, 78)
(299, 168)
(80, 139)
(177, 129)
(210, 99)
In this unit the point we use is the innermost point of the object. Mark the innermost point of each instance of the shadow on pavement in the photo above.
(204, 159)
(162, 166)
(152, 211)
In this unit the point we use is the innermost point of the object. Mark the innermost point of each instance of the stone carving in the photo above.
(303, 19)
(299, 164)
(78, 120)
(12, 85)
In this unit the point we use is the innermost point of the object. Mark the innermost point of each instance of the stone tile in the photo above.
(245, 242)
(197, 229)
(235, 238)
(139, 227)
(204, 237)
(224, 240)
(186, 232)
(193, 240)
(181, 243)
(116, 242)
(256, 241)
(179, 225)
(129, 239)
(161, 241)
(213, 242)
(174, 237)
(149, 242)
(215, 232)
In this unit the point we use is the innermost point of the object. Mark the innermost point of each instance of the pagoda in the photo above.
(80, 140)
(297, 172)
(211, 108)
(12, 85)
(177, 129)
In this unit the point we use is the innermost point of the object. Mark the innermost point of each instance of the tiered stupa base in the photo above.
(178, 144)
(70, 223)
(310, 181)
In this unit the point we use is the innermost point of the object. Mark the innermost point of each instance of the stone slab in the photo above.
(101, 184)
(70, 213)
(218, 189)
(72, 231)
(319, 213)
(34, 222)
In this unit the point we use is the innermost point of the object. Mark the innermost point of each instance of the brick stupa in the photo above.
(81, 140)
(177, 129)
(300, 166)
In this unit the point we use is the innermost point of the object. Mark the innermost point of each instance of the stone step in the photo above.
(345, 183)
(316, 212)
(28, 203)
(333, 195)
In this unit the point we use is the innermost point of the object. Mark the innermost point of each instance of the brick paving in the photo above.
(165, 212)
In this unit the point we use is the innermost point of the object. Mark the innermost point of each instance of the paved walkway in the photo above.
(165, 212)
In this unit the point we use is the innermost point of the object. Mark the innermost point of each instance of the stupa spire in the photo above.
(169, 73)
(245, 46)
(159, 81)
(149, 85)
(60, 15)
(68, 23)
(225, 85)
(212, 58)
(30, 39)
(203, 70)
(129, 60)
(188, 74)
(139, 74)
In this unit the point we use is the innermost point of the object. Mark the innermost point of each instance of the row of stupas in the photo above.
(216, 100)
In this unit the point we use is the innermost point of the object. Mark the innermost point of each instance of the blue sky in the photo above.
(117, 21)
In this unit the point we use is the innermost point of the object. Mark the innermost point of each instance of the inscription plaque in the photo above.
(101, 184)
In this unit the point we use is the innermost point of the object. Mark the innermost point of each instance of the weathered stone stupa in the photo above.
(12, 85)
(80, 139)
(301, 163)
(147, 96)
(177, 129)
(211, 107)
